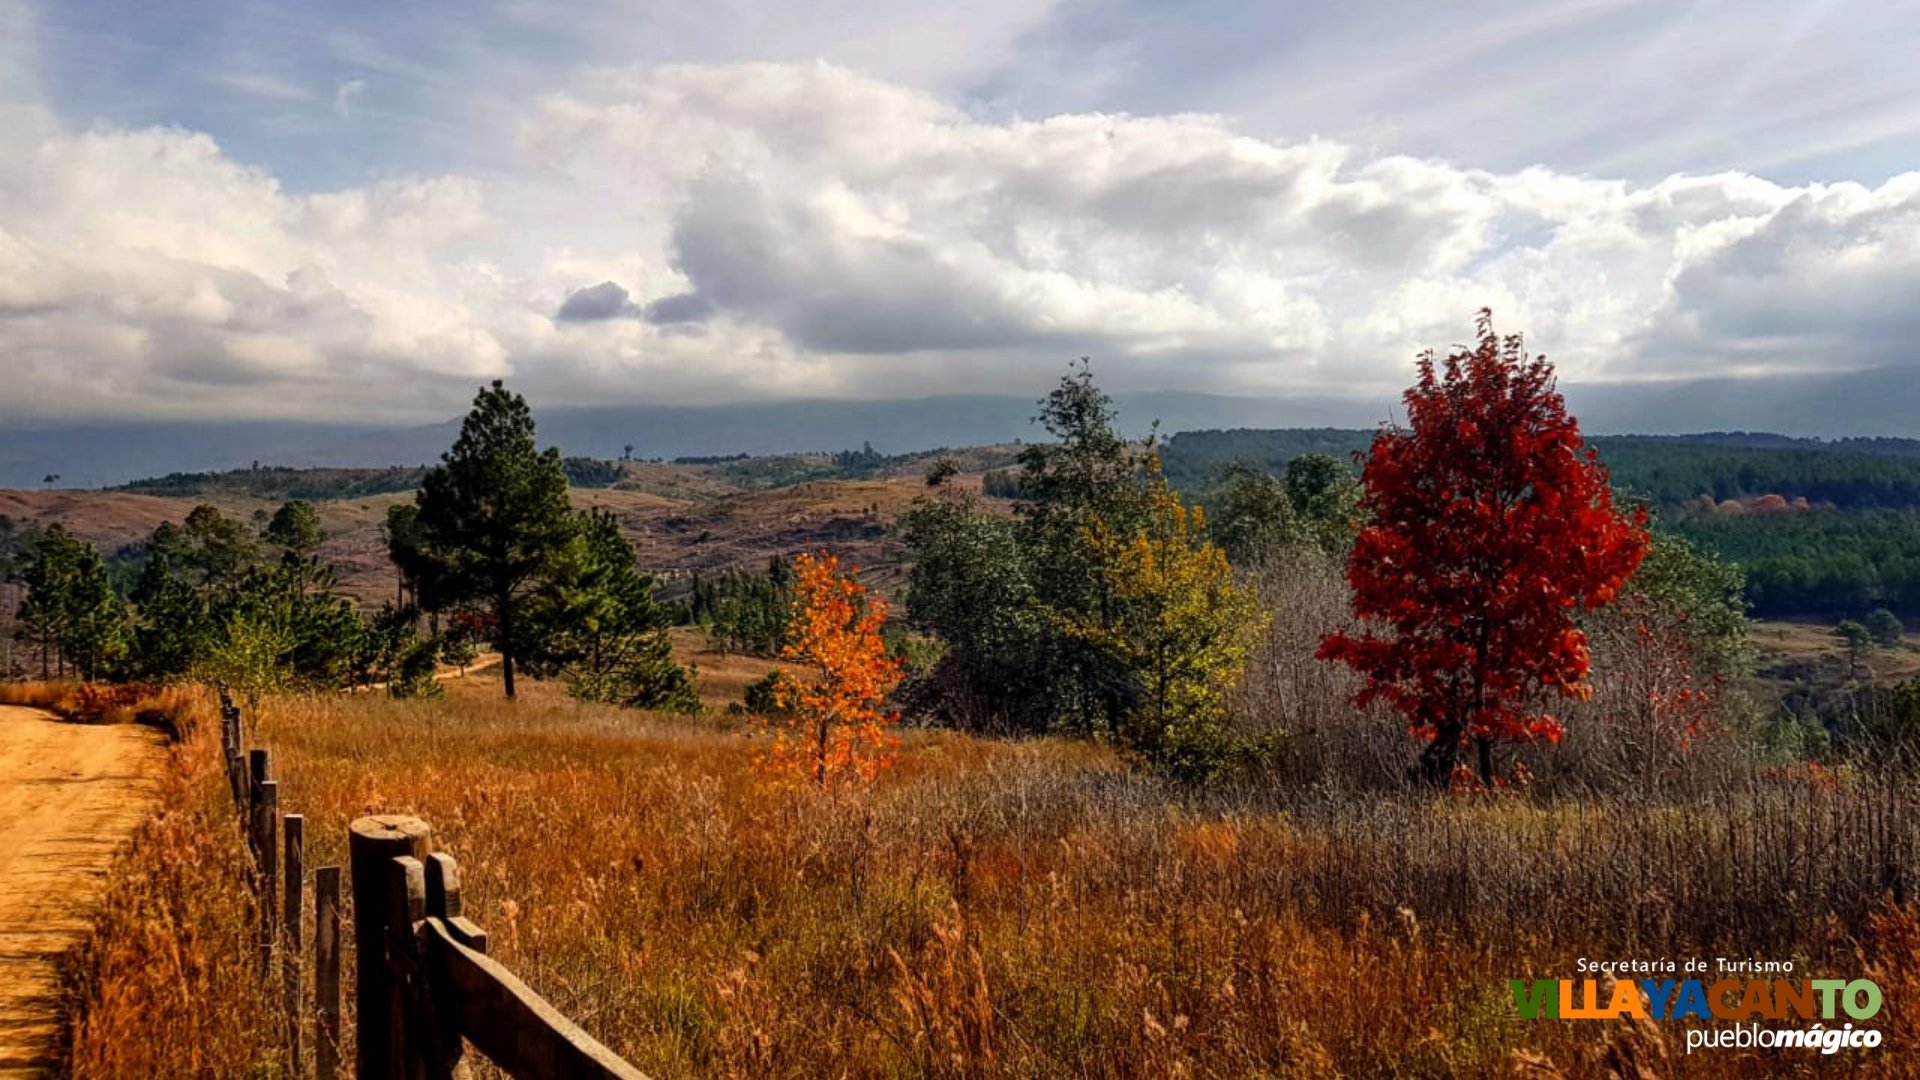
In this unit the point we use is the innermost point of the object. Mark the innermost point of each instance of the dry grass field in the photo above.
(999, 908)
(1810, 648)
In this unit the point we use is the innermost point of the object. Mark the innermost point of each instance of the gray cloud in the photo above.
(680, 308)
(595, 303)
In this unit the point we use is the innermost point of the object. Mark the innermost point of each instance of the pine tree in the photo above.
(491, 517)
(70, 608)
(596, 622)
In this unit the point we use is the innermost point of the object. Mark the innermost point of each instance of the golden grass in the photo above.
(989, 909)
(722, 678)
(167, 983)
(104, 703)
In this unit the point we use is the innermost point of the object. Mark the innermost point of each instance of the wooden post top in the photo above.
(403, 828)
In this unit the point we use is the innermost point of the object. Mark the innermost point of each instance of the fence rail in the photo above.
(425, 987)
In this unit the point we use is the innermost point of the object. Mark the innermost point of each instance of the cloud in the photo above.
(595, 303)
(803, 230)
(679, 308)
(345, 95)
(260, 85)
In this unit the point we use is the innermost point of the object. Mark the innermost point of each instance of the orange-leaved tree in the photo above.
(1489, 523)
(833, 725)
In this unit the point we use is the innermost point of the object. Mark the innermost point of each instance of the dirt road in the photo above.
(69, 796)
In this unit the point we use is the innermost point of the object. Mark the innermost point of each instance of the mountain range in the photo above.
(95, 454)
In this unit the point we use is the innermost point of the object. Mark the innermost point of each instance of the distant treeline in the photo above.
(1826, 564)
(1666, 470)
(1854, 544)
(279, 483)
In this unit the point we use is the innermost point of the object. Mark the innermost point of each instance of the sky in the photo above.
(358, 211)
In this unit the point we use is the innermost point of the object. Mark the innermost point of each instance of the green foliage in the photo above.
(968, 586)
(1885, 627)
(1102, 608)
(1817, 562)
(776, 472)
(70, 608)
(746, 613)
(1090, 474)
(295, 528)
(769, 695)
(865, 461)
(1702, 597)
(415, 672)
(585, 472)
(1002, 484)
(595, 622)
(1325, 498)
(1852, 545)
(458, 648)
(210, 578)
(1856, 636)
(252, 653)
(174, 626)
(1251, 516)
(491, 518)
(941, 471)
(280, 483)
(1175, 620)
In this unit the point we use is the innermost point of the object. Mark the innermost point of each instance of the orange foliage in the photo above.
(834, 725)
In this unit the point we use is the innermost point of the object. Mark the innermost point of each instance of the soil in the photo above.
(70, 795)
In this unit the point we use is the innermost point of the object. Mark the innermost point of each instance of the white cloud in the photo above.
(345, 95)
(723, 232)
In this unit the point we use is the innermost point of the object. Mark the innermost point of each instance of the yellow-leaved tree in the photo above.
(1172, 615)
(833, 724)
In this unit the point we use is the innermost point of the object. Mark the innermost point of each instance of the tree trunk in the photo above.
(820, 753)
(1486, 760)
(503, 613)
(1440, 756)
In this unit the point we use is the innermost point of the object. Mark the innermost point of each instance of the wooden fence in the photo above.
(425, 987)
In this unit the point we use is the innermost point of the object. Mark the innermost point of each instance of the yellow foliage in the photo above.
(1175, 616)
(834, 726)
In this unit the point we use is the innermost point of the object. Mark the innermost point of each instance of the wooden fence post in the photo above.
(230, 749)
(444, 904)
(294, 874)
(266, 822)
(326, 973)
(413, 1049)
(372, 845)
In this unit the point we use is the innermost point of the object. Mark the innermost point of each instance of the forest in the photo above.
(1821, 529)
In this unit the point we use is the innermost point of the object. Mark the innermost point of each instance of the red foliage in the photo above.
(1489, 523)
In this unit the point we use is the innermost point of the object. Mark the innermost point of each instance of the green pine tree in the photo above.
(597, 624)
(491, 518)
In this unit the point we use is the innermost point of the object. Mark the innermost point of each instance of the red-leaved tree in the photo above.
(1489, 523)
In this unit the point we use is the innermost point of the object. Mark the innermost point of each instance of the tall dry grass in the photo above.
(1031, 909)
(166, 984)
(165, 707)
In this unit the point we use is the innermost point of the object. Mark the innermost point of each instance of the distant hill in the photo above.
(278, 483)
(102, 454)
(97, 455)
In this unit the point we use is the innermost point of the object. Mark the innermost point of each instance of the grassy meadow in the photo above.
(999, 908)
